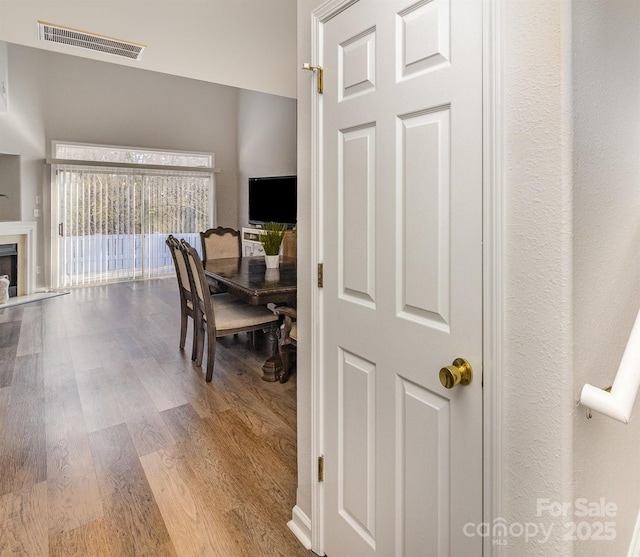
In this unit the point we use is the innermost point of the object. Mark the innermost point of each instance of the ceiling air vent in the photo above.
(91, 41)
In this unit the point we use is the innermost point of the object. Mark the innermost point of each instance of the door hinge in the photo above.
(320, 468)
(320, 275)
(61, 229)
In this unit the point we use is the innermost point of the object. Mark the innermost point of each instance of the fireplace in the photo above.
(9, 266)
(21, 234)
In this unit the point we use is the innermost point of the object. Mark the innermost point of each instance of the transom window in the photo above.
(129, 155)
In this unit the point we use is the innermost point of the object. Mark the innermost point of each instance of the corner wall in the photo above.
(606, 275)
(538, 329)
(10, 181)
(22, 133)
(266, 141)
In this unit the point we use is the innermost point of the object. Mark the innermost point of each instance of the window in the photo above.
(116, 207)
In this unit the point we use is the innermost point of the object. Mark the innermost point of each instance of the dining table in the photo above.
(249, 279)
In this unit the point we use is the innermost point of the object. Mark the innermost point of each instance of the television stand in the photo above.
(251, 244)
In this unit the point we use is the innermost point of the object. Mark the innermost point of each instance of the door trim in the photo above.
(493, 259)
(493, 274)
(318, 18)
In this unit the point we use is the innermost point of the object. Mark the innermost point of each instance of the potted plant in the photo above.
(271, 239)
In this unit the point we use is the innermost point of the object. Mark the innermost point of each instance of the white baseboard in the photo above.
(300, 525)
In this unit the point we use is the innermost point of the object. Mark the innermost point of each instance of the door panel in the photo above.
(423, 444)
(423, 37)
(425, 216)
(357, 214)
(357, 72)
(357, 444)
(401, 160)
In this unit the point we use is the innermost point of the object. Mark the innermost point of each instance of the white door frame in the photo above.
(493, 268)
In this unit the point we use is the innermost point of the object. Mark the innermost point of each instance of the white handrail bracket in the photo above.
(618, 401)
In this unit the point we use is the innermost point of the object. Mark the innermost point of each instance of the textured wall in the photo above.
(538, 388)
(606, 89)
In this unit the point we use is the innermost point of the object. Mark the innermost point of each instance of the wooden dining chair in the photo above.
(288, 340)
(186, 294)
(222, 314)
(218, 243)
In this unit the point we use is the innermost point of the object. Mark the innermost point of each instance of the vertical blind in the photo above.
(114, 221)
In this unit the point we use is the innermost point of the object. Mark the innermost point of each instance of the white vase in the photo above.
(272, 275)
(272, 261)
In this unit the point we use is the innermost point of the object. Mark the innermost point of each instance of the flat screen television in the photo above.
(273, 199)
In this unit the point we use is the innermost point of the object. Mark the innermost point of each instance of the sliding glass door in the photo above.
(113, 222)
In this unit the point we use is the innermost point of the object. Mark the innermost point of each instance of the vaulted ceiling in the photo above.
(249, 44)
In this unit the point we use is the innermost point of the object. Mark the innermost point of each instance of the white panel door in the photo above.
(401, 183)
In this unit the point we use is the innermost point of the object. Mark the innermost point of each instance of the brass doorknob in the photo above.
(460, 372)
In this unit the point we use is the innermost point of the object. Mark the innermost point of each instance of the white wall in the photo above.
(538, 382)
(266, 141)
(4, 68)
(241, 43)
(606, 274)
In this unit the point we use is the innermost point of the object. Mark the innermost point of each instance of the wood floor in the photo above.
(112, 444)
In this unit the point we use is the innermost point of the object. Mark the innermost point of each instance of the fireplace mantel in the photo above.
(22, 233)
